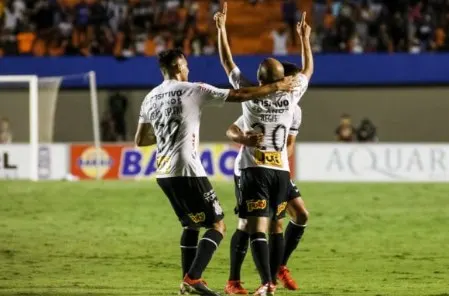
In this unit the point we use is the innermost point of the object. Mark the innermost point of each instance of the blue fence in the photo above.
(143, 72)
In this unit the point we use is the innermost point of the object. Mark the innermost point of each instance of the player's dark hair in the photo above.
(290, 69)
(167, 59)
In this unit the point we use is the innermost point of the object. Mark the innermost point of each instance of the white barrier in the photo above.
(372, 162)
(330, 162)
(52, 161)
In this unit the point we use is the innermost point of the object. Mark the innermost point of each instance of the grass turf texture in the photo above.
(122, 238)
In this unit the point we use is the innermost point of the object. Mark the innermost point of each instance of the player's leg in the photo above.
(187, 196)
(238, 249)
(205, 210)
(295, 229)
(276, 246)
(189, 245)
(293, 234)
(189, 236)
(256, 184)
(278, 200)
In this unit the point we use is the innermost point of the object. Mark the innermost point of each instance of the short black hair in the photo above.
(168, 57)
(290, 69)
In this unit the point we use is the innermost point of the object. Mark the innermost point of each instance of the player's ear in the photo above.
(178, 68)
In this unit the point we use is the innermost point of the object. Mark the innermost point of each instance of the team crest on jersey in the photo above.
(254, 205)
(217, 208)
(198, 217)
(281, 208)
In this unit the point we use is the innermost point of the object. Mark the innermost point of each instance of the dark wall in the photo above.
(330, 69)
(401, 114)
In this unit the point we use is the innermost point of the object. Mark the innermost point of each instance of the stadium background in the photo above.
(120, 238)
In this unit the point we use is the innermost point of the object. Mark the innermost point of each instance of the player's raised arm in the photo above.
(250, 138)
(223, 45)
(304, 30)
(294, 129)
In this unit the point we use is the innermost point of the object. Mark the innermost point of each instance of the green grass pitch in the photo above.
(122, 238)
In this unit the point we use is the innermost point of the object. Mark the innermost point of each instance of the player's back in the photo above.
(271, 116)
(174, 110)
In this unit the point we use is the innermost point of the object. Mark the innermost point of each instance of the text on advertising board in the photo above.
(373, 162)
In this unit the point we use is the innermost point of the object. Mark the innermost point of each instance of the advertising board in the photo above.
(373, 162)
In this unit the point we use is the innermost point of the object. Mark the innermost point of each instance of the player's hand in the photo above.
(220, 17)
(253, 139)
(286, 84)
(302, 28)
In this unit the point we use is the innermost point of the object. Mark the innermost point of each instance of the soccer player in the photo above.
(265, 176)
(170, 117)
(295, 208)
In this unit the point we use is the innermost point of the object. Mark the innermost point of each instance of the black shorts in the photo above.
(193, 199)
(264, 193)
(293, 192)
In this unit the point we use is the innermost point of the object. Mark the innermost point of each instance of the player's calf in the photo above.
(293, 234)
(206, 248)
(189, 244)
(276, 247)
(239, 248)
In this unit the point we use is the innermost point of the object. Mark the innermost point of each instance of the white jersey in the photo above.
(271, 115)
(294, 129)
(174, 110)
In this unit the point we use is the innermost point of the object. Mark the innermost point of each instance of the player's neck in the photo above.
(176, 77)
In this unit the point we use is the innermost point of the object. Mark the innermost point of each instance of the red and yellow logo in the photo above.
(253, 205)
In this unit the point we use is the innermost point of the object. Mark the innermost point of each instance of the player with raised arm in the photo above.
(170, 117)
(265, 176)
(295, 208)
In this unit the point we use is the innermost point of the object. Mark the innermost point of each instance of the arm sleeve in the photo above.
(237, 80)
(296, 122)
(210, 95)
(239, 123)
(302, 83)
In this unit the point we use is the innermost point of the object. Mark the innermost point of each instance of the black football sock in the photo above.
(206, 248)
(259, 249)
(239, 247)
(189, 242)
(293, 235)
(277, 245)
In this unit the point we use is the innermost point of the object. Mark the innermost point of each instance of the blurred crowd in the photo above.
(125, 28)
(358, 26)
(102, 27)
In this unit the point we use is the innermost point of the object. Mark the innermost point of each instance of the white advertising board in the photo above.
(372, 162)
(15, 161)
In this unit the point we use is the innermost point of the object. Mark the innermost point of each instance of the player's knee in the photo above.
(220, 226)
(276, 226)
(243, 225)
(302, 217)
